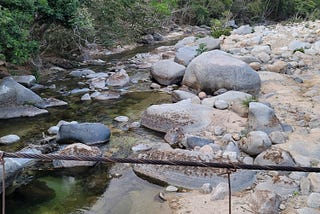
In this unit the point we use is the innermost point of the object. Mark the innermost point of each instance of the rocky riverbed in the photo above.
(251, 97)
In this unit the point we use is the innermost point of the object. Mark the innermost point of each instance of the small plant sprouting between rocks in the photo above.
(247, 101)
(299, 49)
(202, 48)
(295, 193)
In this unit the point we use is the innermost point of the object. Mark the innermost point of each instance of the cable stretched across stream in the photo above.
(229, 165)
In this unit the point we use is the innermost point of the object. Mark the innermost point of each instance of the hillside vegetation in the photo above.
(31, 28)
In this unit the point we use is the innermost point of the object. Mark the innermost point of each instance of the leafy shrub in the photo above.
(218, 29)
(201, 49)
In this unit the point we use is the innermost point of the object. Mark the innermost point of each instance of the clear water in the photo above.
(93, 190)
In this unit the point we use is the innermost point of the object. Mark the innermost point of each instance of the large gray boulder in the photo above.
(184, 114)
(87, 133)
(77, 149)
(167, 72)
(13, 93)
(216, 69)
(19, 101)
(184, 55)
(263, 118)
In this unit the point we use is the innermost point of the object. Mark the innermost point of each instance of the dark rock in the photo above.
(193, 141)
(34, 192)
(87, 133)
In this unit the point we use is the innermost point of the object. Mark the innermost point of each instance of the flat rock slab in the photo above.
(7, 112)
(51, 102)
(191, 177)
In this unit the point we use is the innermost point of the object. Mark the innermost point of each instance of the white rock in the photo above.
(171, 189)
(141, 147)
(121, 119)
(9, 139)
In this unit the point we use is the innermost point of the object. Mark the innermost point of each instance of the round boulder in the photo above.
(216, 69)
(167, 72)
(87, 133)
(256, 142)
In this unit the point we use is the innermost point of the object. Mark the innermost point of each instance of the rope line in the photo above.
(3, 183)
(230, 165)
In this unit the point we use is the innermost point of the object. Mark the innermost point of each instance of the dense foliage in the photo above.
(31, 27)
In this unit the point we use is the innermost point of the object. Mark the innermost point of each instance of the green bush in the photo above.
(218, 28)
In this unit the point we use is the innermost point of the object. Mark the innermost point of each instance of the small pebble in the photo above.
(171, 189)
(202, 95)
(122, 119)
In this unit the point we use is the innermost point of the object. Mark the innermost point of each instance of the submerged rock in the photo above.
(87, 133)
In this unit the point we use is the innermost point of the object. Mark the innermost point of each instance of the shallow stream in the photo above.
(103, 188)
